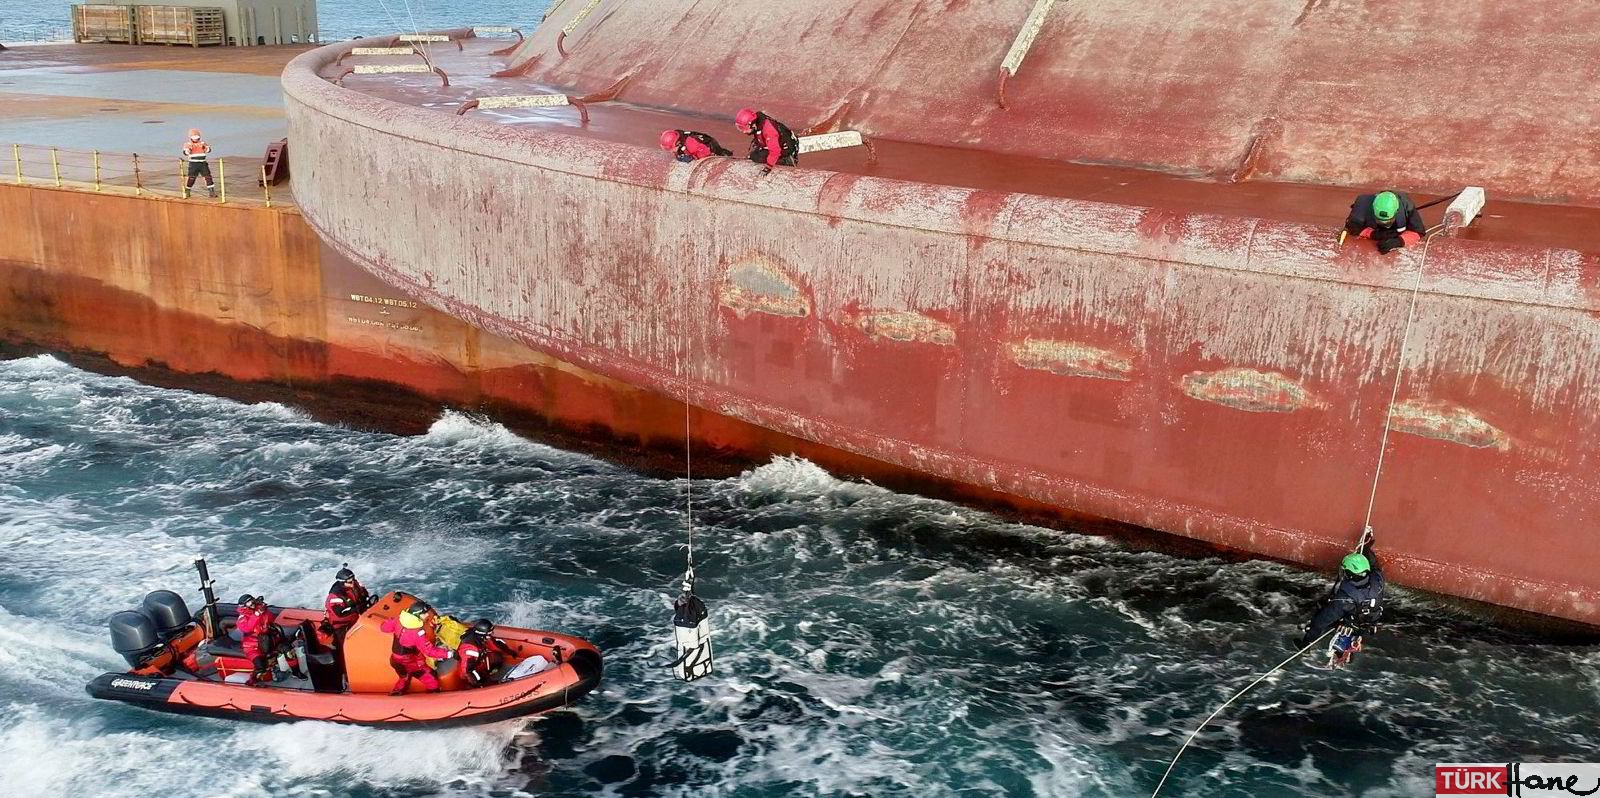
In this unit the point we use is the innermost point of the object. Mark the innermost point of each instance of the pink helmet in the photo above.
(669, 139)
(744, 119)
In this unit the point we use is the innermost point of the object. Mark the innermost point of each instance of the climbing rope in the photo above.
(1394, 391)
(688, 445)
(688, 482)
(1236, 696)
(691, 628)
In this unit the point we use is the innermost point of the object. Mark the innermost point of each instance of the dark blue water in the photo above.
(51, 20)
(871, 643)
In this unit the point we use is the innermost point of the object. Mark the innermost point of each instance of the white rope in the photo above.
(1394, 392)
(688, 477)
(688, 446)
(1236, 697)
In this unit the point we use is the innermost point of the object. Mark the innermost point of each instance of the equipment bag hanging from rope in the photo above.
(691, 629)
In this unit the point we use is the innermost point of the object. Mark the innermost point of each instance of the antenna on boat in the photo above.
(210, 617)
(691, 627)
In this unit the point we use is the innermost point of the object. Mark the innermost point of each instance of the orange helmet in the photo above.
(744, 119)
(194, 132)
(669, 139)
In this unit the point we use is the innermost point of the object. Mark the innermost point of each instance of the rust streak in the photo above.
(757, 284)
(901, 325)
(1250, 390)
(1070, 358)
(1447, 422)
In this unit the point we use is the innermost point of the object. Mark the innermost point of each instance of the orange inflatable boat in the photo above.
(188, 665)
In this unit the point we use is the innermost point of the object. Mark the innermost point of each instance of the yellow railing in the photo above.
(130, 173)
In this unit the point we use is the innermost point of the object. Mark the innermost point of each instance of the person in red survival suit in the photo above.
(771, 142)
(412, 647)
(689, 146)
(481, 654)
(347, 599)
(261, 639)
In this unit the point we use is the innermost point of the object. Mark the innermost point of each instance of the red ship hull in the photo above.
(1224, 378)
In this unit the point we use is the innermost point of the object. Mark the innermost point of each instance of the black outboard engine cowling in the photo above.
(134, 636)
(167, 610)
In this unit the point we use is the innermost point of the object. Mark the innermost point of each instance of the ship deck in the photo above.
(1525, 223)
(123, 98)
(120, 98)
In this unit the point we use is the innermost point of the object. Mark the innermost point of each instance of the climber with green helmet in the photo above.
(1356, 601)
(1387, 217)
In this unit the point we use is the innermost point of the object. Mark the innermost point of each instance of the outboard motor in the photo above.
(134, 636)
(167, 610)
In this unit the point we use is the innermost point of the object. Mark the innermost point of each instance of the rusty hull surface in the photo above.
(1194, 357)
(247, 302)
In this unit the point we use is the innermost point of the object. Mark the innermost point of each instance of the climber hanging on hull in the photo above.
(1354, 607)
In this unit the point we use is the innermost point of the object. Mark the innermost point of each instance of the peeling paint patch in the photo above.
(1249, 389)
(1447, 422)
(1070, 358)
(902, 325)
(758, 284)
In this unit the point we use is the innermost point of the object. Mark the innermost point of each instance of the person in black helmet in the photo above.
(347, 599)
(482, 655)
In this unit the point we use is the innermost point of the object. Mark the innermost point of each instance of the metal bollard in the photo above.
(266, 188)
(138, 182)
(96, 170)
(55, 167)
(16, 155)
(222, 179)
(183, 191)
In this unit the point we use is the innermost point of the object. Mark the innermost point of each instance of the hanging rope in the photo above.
(688, 485)
(1226, 704)
(688, 445)
(1394, 391)
(691, 626)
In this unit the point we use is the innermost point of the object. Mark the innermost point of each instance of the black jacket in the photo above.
(1409, 218)
(1356, 601)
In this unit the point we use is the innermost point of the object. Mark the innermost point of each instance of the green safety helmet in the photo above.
(1356, 563)
(1385, 206)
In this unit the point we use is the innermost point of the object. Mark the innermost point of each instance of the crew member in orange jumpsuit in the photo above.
(689, 146)
(482, 655)
(261, 639)
(346, 600)
(412, 647)
(195, 155)
(771, 142)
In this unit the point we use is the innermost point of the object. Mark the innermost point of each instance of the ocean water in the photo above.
(51, 20)
(869, 643)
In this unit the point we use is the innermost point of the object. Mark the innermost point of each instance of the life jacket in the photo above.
(196, 151)
(447, 631)
(473, 652)
(340, 601)
(420, 647)
(399, 650)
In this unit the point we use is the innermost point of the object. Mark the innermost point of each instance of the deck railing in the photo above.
(140, 175)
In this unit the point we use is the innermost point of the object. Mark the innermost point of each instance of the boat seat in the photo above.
(221, 647)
